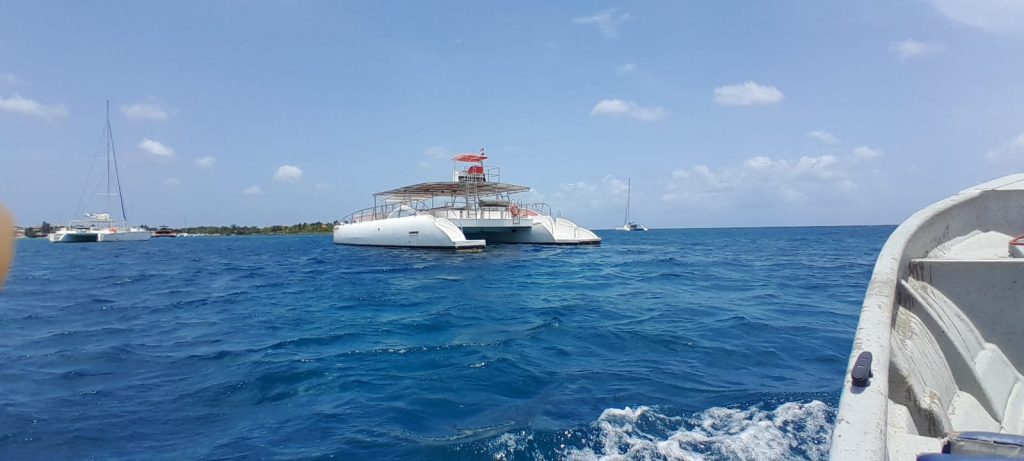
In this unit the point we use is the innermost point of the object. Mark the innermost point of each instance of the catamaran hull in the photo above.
(542, 230)
(420, 231)
(124, 236)
(100, 236)
(72, 237)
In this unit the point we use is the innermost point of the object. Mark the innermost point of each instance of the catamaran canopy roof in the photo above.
(470, 158)
(428, 190)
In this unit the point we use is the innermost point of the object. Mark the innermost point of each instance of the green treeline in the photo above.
(301, 228)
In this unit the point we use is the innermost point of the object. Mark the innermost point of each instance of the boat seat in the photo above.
(948, 457)
(975, 445)
(984, 354)
(966, 441)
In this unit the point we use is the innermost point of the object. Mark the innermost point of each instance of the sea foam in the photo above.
(792, 430)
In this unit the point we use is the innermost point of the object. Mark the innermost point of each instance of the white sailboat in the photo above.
(100, 227)
(627, 225)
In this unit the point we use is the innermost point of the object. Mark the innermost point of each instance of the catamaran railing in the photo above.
(95, 224)
(513, 210)
(374, 213)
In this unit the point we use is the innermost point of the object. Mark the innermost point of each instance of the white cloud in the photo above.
(1011, 153)
(591, 195)
(252, 190)
(156, 149)
(20, 105)
(432, 155)
(999, 16)
(288, 173)
(823, 136)
(322, 186)
(606, 21)
(866, 153)
(437, 153)
(609, 185)
(172, 181)
(144, 111)
(205, 162)
(747, 94)
(625, 68)
(620, 108)
(909, 49)
(760, 182)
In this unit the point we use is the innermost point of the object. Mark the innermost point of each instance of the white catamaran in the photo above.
(627, 225)
(473, 209)
(100, 227)
(935, 372)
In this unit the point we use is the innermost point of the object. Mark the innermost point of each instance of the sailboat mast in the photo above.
(113, 155)
(629, 187)
(108, 157)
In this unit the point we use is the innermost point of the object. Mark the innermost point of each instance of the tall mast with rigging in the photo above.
(629, 187)
(113, 155)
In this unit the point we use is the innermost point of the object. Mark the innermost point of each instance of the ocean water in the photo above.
(671, 344)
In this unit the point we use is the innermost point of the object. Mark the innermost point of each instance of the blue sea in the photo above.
(672, 344)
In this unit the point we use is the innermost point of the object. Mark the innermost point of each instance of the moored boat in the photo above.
(164, 232)
(936, 366)
(100, 227)
(627, 225)
(473, 209)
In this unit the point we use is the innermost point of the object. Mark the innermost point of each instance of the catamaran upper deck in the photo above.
(431, 190)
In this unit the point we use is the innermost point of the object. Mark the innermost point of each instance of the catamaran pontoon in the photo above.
(473, 209)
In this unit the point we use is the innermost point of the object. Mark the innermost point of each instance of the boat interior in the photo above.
(958, 339)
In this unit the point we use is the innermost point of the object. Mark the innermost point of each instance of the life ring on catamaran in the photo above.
(514, 210)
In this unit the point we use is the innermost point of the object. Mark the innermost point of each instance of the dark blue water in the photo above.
(675, 344)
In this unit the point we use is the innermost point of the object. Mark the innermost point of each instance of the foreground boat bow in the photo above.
(941, 320)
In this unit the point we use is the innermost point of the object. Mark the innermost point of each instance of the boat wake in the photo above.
(793, 430)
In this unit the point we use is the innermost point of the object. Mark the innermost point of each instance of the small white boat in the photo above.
(100, 227)
(627, 225)
(633, 227)
(165, 232)
(473, 209)
(935, 372)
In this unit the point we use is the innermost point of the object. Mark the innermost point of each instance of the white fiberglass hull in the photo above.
(942, 321)
(76, 236)
(123, 235)
(100, 235)
(633, 228)
(419, 231)
(537, 229)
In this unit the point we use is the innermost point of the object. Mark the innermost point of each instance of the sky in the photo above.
(720, 114)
